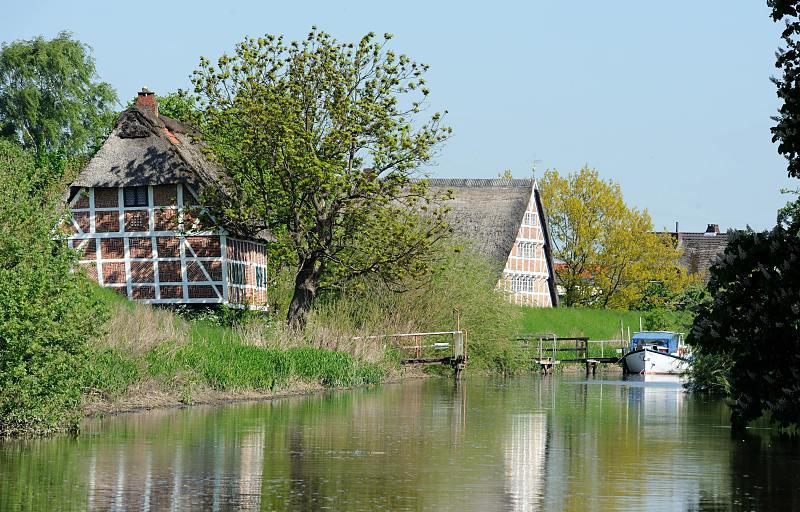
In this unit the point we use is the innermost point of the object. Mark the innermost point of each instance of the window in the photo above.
(529, 219)
(135, 196)
(237, 273)
(261, 276)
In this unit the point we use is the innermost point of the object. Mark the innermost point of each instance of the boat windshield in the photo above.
(661, 341)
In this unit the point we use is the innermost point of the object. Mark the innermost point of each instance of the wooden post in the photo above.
(459, 354)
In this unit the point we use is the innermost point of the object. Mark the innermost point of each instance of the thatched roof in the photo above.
(487, 212)
(145, 150)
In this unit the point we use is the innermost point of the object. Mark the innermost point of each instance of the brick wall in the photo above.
(204, 246)
(165, 195)
(112, 248)
(142, 272)
(114, 273)
(203, 253)
(140, 247)
(168, 247)
(166, 219)
(106, 222)
(106, 197)
(169, 271)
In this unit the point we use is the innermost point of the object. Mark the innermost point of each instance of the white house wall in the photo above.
(527, 273)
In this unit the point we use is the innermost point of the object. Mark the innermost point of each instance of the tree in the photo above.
(749, 333)
(787, 130)
(609, 255)
(47, 309)
(321, 141)
(51, 101)
(747, 336)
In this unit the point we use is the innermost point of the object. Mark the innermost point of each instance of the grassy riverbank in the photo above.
(153, 357)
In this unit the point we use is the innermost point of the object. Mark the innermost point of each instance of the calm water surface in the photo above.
(550, 443)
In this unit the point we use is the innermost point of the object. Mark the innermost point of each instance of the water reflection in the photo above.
(552, 443)
(526, 445)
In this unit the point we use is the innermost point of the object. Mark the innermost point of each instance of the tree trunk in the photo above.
(305, 290)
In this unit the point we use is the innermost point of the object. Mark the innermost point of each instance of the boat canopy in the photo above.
(662, 338)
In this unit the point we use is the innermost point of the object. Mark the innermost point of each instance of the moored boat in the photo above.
(657, 352)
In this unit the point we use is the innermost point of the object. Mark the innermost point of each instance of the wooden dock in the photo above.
(548, 347)
(417, 348)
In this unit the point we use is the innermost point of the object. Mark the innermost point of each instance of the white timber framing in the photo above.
(186, 253)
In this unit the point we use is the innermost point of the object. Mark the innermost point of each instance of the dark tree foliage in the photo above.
(787, 130)
(748, 335)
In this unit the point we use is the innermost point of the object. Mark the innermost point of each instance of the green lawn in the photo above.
(597, 324)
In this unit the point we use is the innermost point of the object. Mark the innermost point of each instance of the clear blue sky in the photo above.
(670, 99)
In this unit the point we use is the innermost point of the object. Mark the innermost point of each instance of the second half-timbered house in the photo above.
(505, 220)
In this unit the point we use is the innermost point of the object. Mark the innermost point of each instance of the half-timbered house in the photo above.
(139, 225)
(505, 220)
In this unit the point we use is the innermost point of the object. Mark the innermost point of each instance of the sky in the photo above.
(672, 100)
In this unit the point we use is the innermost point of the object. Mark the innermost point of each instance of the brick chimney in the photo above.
(712, 230)
(146, 101)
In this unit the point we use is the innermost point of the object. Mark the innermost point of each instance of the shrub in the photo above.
(464, 279)
(47, 309)
(749, 332)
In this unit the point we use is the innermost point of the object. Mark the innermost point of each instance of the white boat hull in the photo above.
(649, 361)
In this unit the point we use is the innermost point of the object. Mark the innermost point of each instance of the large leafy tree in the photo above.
(608, 254)
(747, 338)
(51, 100)
(321, 142)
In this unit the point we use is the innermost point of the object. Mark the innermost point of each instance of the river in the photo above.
(537, 443)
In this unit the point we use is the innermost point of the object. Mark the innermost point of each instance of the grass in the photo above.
(157, 350)
(596, 324)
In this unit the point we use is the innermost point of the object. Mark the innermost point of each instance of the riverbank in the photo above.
(145, 397)
(151, 358)
(155, 358)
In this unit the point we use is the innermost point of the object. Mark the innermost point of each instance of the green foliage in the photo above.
(223, 364)
(47, 311)
(463, 279)
(110, 372)
(746, 338)
(663, 319)
(180, 105)
(751, 327)
(710, 372)
(50, 98)
(332, 368)
(611, 258)
(320, 140)
(788, 61)
(222, 315)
